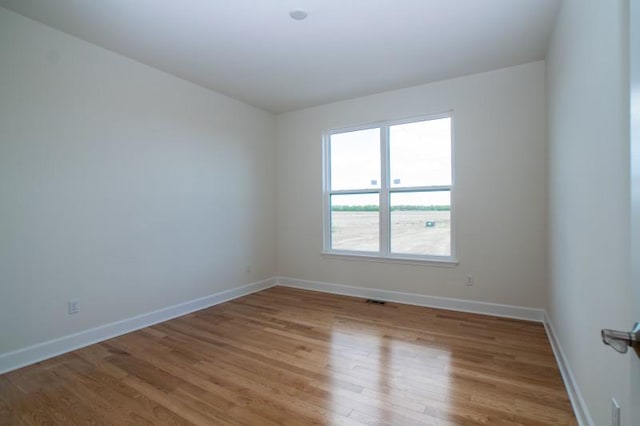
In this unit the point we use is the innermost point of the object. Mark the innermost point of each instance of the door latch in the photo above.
(621, 340)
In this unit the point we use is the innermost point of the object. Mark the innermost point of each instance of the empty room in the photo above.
(296, 212)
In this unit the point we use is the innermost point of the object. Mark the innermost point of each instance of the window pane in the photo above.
(420, 153)
(355, 160)
(355, 222)
(421, 223)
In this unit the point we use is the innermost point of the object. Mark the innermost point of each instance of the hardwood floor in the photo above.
(286, 356)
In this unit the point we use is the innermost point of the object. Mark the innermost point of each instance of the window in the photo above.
(388, 189)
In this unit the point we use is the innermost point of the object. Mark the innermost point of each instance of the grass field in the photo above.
(409, 233)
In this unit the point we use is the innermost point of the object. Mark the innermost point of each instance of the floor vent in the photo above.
(376, 302)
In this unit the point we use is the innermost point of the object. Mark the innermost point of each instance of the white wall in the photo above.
(500, 194)
(120, 186)
(131, 190)
(589, 196)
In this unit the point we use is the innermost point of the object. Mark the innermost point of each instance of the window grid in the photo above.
(384, 193)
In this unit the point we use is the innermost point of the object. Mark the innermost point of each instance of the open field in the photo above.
(409, 233)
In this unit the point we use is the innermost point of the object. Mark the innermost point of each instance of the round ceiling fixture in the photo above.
(298, 14)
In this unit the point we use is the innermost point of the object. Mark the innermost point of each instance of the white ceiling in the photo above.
(253, 51)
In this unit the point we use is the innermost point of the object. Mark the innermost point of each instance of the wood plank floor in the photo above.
(286, 356)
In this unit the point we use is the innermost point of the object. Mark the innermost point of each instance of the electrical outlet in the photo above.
(469, 280)
(615, 413)
(73, 307)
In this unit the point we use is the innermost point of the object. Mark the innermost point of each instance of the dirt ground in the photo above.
(409, 232)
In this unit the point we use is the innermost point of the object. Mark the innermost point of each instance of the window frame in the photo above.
(384, 254)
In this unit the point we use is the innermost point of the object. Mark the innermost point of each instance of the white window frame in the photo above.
(384, 254)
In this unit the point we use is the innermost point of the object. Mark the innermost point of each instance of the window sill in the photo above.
(448, 262)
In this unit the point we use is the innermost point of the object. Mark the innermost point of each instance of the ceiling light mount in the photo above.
(298, 14)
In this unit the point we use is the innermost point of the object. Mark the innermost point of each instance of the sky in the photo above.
(419, 155)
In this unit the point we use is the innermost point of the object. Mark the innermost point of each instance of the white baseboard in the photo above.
(577, 401)
(39, 352)
(22, 357)
(462, 305)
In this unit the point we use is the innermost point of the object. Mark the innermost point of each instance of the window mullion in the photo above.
(351, 222)
(384, 191)
(354, 191)
(437, 188)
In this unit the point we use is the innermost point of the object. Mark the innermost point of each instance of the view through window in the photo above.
(388, 189)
